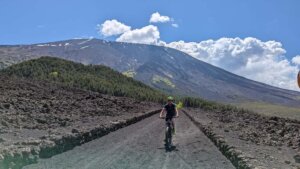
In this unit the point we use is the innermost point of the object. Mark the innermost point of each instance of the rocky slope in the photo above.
(163, 68)
(251, 140)
(39, 119)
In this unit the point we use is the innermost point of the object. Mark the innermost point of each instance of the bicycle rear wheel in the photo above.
(168, 137)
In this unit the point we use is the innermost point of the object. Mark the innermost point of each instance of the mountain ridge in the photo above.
(159, 67)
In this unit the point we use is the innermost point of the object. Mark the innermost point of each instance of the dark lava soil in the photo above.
(262, 130)
(35, 113)
(265, 142)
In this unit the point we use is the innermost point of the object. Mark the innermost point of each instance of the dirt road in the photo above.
(141, 146)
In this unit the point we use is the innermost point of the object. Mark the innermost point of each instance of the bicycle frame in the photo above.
(169, 133)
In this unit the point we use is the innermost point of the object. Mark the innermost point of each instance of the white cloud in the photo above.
(175, 25)
(262, 61)
(113, 27)
(146, 35)
(156, 17)
(296, 60)
(250, 57)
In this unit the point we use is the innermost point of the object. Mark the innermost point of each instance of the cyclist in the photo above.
(171, 112)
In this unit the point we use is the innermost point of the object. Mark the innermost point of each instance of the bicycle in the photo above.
(168, 133)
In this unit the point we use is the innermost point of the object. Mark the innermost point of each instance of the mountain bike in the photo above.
(168, 134)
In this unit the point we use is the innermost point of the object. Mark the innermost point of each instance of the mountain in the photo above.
(164, 68)
(92, 77)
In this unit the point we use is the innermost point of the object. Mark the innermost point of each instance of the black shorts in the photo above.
(169, 118)
(170, 121)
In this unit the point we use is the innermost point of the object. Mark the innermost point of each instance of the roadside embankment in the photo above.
(250, 140)
(49, 145)
(40, 119)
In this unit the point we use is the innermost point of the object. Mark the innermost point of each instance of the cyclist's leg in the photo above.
(166, 131)
(173, 125)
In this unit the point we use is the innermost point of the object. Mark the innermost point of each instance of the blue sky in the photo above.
(33, 21)
(257, 39)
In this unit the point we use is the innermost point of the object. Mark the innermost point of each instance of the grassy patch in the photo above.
(129, 73)
(272, 109)
(160, 79)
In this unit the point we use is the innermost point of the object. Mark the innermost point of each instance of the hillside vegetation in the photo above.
(100, 79)
(105, 80)
(90, 77)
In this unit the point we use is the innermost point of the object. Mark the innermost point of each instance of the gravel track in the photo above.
(141, 146)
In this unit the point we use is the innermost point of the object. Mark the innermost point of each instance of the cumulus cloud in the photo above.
(146, 35)
(250, 57)
(113, 27)
(262, 61)
(156, 17)
(296, 60)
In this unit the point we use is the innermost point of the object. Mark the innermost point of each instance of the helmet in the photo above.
(170, 98)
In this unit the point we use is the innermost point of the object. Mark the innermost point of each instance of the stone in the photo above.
(75, 131)
(6, 105)
(287, 162)
(297, 158)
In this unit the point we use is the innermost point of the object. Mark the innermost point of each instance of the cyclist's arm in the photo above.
(161, 113)
(177, 114)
